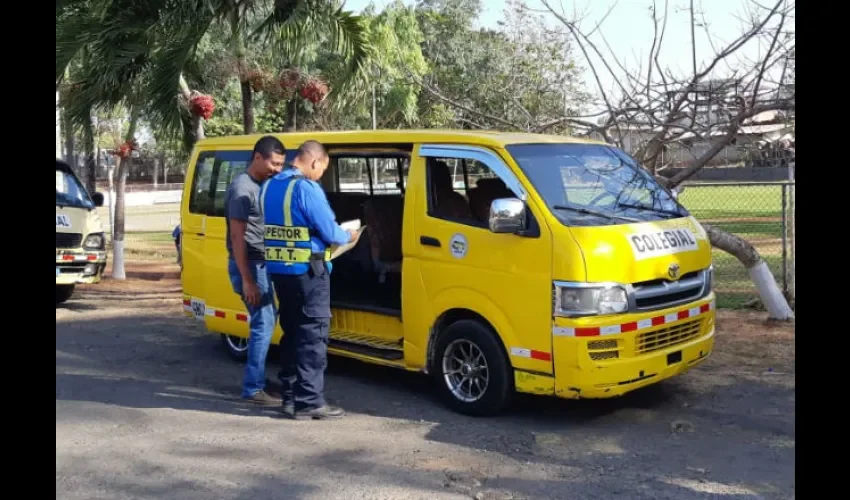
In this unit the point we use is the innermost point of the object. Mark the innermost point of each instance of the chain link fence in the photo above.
(761, 213)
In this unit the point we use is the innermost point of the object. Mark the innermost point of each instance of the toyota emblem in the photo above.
(673, 271)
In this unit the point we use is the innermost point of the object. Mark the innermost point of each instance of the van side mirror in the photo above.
(97, 198)
(507, 215)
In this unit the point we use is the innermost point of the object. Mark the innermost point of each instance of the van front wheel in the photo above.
(471, 370)
(63, 293)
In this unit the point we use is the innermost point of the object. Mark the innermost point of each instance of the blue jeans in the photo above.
(261, 320)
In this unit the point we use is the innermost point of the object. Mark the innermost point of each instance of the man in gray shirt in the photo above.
(246, 261)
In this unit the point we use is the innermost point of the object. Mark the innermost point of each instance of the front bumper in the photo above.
(641, 351)
(79, 266)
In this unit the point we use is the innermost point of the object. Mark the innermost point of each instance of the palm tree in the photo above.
(163, 36)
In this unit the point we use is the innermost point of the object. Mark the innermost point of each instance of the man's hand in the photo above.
(252, 293)
(352, 234)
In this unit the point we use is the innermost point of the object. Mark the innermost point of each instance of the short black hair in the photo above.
(312, 147)
(267, 145)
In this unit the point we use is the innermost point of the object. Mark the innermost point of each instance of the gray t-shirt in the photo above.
(242, 201)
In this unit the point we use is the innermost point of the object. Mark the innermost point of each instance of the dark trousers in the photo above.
(305, 317)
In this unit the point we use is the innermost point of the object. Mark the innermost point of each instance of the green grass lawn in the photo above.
(153, 245)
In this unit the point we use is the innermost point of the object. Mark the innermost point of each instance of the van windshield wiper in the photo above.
(653, 209)
(588, 211)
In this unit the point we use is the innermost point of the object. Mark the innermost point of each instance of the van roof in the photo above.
(489, 138)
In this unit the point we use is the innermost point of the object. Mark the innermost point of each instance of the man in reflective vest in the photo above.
(299, 228)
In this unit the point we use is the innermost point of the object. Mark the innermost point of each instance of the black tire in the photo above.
(499, 389)
(63, 293)
(231, 343)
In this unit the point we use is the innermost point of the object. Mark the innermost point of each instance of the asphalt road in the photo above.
(145, 409)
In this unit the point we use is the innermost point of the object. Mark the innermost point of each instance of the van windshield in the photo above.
(70, 192)
(594, 184)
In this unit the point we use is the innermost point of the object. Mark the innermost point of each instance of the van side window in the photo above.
(461, 190)
(353, 175)
(228, 169)
(370, 175)
(201, 200)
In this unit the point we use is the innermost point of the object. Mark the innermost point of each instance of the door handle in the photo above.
(200, 234)
(428, 240)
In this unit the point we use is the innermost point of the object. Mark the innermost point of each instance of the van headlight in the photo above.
(94, 241)
(587, 299)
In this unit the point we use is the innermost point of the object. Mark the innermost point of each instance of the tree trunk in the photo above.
(118, 271)
(292, 115)
(110, 189)
(91, 174)
(164, 168)
(770, 293)
(247, 107)
(238, 45)
(156, 168)
(196, 121)
(68, 131)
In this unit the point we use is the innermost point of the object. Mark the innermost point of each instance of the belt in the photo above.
(321, 256)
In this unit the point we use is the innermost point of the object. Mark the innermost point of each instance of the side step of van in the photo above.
(375, 347)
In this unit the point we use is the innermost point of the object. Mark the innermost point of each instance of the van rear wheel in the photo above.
(471, 371)
(63, 293)
(236, 347)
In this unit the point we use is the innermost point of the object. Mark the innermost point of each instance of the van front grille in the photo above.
(667, 337)
(68, 240)
(659, 294)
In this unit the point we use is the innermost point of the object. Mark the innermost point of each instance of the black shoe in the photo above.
(264, 399)
(288, 410)
(319, 413)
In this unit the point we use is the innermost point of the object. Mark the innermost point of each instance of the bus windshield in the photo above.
(70, 191)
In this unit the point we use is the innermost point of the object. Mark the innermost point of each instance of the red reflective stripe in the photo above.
(92, 257)
(67, 257)
(219, 314)
(187, 302)
(628, 327)
(587, 332)
(632, 325)
(241, 317)
(540, 355)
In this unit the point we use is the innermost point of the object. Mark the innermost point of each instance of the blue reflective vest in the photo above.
(287, 235)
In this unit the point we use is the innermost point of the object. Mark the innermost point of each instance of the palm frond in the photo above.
(168, 63)
(73, 32)
(293, 24)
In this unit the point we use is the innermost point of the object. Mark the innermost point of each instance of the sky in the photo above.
(628, 28)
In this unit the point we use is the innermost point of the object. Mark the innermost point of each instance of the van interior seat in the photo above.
(447, 201)
(347, 206)
(482, 195)
(384, 215)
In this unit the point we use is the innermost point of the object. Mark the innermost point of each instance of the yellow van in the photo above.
(80, 242)
(496, 263)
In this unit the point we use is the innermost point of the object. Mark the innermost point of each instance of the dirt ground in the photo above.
(145, 408)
